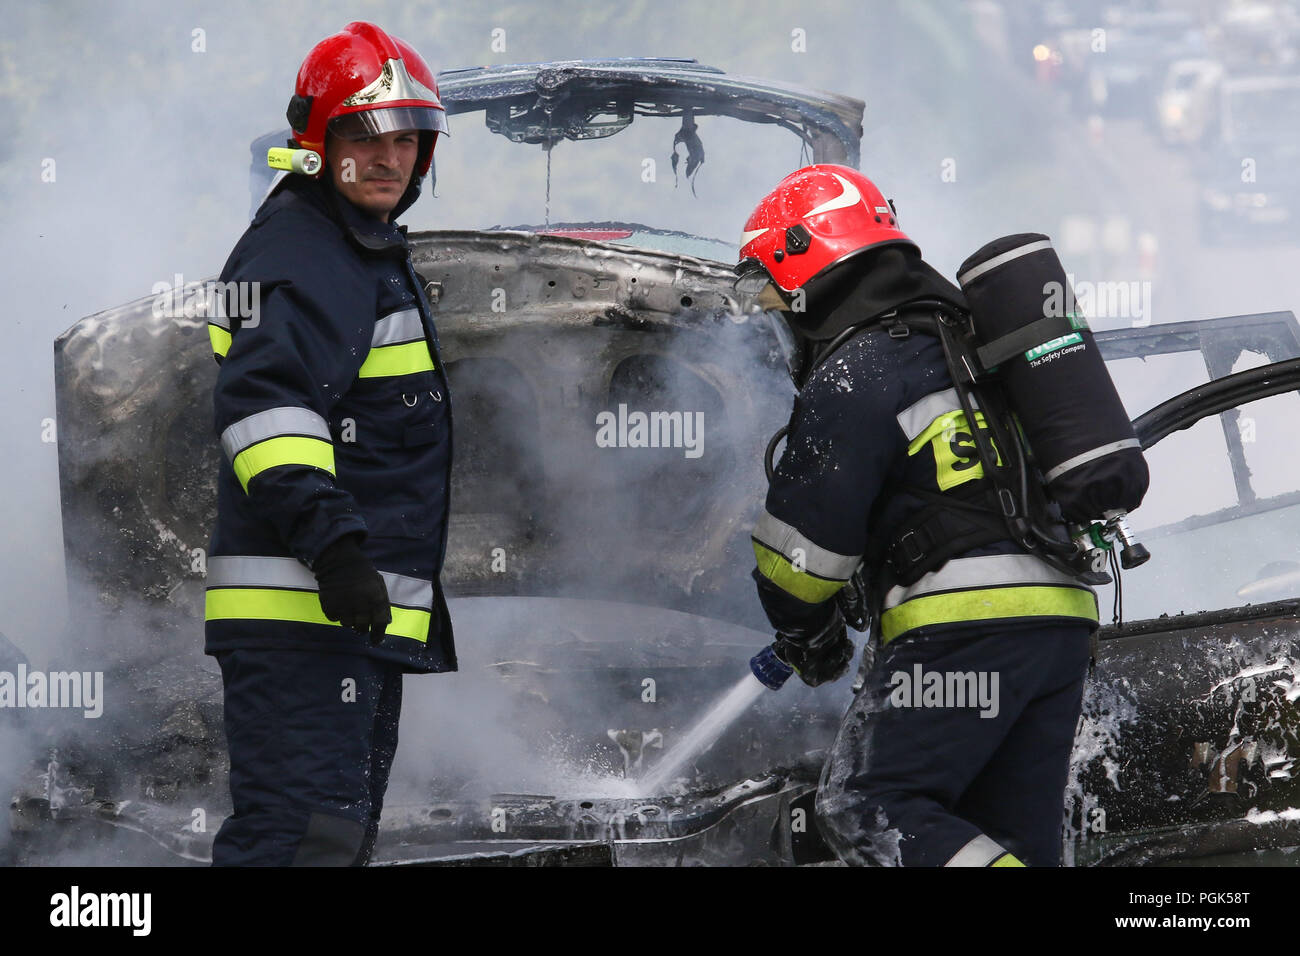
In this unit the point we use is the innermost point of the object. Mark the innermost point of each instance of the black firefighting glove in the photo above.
(351, 590)
(818, 655)
(852, 601)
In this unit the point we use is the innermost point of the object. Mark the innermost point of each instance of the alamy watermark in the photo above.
(922, 688)
(210, 299)
(651, 430)
(1099, 300)
(127, 910)
(83, 689)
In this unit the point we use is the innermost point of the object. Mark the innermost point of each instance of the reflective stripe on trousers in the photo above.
(983, 851)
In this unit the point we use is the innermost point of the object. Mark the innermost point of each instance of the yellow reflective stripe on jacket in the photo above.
(290, 450)
(801, 551)
(387, 360)
(220, 339)
(278, 422)
(265, 604)
(956, 457)
(265, 588)
(804, 585)
(397, 347)
(988, 604)
(949, 422)
(1006, 859)
(219, 327)
(284, 435)
(938, 421)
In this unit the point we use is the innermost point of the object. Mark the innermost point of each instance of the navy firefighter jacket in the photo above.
(876, 418)
(334, 417)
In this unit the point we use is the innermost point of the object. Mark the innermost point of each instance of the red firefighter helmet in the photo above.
(816, 218)
(360, 82)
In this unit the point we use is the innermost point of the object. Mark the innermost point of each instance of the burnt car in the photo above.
(600, 585)
(1187, 745)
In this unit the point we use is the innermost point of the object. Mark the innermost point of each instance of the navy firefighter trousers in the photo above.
(312, 738)
(956, 750)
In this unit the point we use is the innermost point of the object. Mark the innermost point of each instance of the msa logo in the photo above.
(1038, 351)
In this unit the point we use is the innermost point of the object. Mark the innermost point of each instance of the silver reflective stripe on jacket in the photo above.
(398, 328)
(215, 305)
(987, 571)
(238, 571)
(916, 418)
(785, 540)
(273, 423)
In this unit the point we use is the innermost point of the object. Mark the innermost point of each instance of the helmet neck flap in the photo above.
(858, 293)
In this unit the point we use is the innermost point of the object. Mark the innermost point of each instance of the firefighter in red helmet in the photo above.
(880, 501)
(334, 417)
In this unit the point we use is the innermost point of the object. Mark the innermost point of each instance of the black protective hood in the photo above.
(867, 287)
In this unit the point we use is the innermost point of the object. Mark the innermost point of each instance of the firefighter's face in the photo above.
(373, 173)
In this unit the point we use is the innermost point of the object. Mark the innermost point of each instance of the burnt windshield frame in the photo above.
(1221, 342)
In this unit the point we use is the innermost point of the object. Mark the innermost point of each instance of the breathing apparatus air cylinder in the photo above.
(1026, 328)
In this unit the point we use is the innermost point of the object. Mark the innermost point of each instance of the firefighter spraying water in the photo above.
(1034, 382)
(956, 462)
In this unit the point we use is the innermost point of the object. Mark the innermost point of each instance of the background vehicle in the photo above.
(1188, 104)
(1251, 178)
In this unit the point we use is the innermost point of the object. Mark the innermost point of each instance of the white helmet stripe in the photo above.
(747, 237)
(850, 197)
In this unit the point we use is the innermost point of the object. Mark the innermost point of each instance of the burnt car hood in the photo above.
(541, 102)
(596, 333)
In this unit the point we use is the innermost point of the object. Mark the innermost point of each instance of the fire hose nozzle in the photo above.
(771, 671)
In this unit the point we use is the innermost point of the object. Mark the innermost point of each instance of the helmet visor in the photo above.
(752, 284)
(751, 277)
(390, 120)
(763, 291)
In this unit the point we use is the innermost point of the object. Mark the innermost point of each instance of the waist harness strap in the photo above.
(949, 525)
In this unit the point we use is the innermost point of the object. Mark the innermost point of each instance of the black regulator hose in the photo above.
(771, 450)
